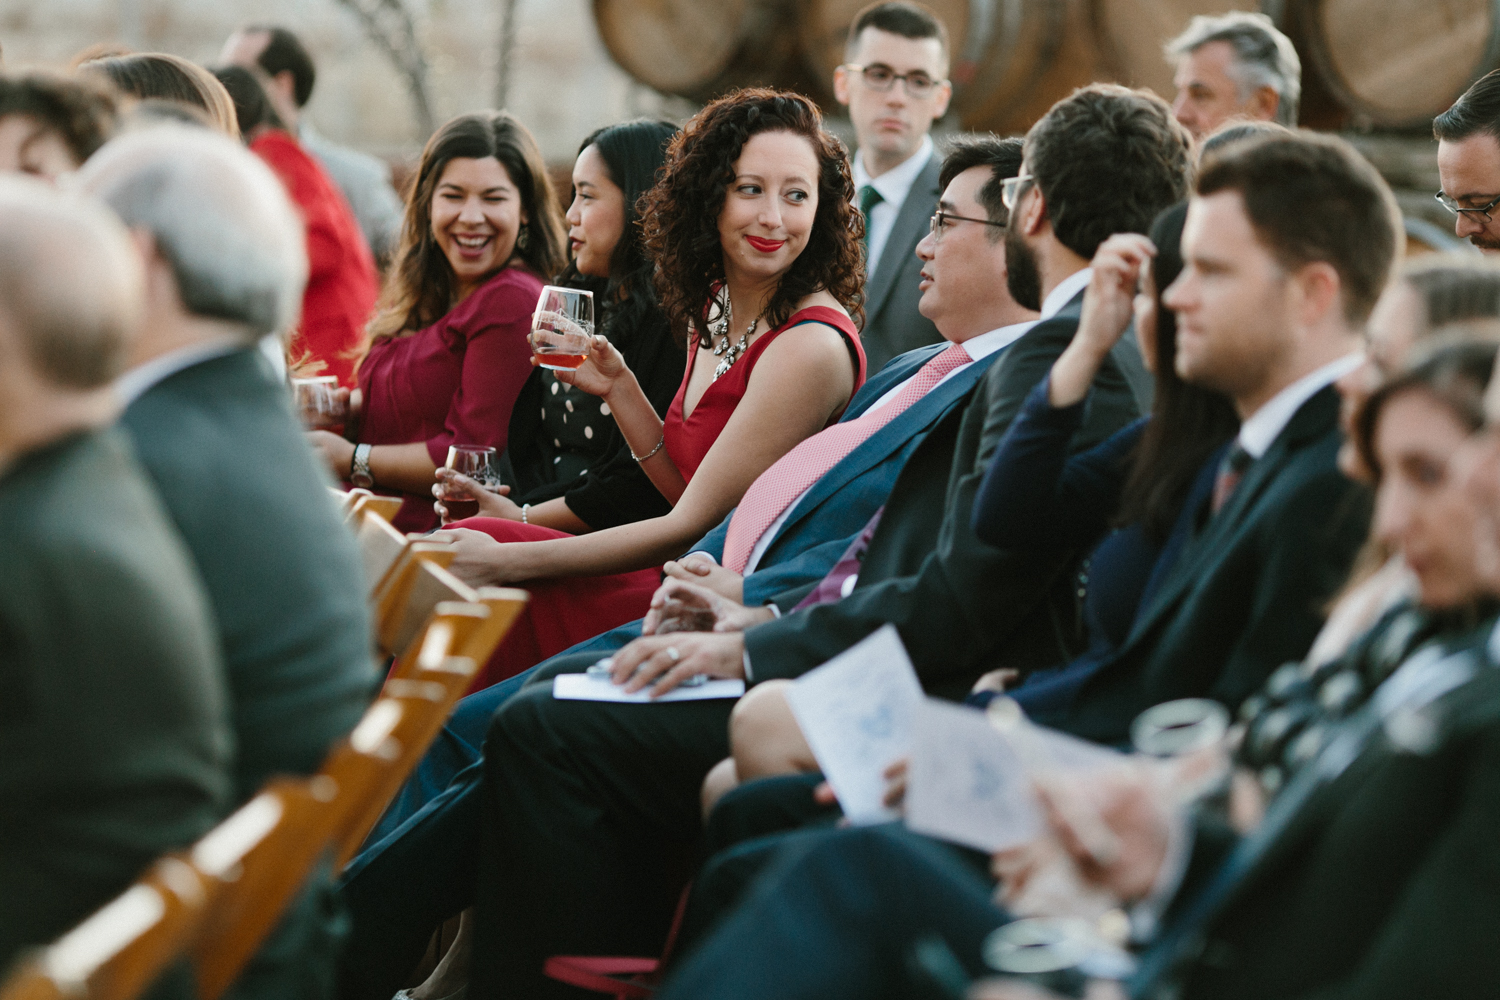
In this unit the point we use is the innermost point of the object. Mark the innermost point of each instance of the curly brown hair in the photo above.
(681, 213)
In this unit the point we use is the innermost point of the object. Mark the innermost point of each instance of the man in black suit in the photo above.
(590, 806)
(214, 428)
(114, 732)
(894, 81)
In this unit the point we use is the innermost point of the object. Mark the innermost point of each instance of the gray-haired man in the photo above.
(224, 261)
(1234, 65)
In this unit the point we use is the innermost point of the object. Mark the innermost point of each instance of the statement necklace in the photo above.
(722, 347)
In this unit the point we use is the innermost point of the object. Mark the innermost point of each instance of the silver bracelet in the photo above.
(525, 508)
(653, 451)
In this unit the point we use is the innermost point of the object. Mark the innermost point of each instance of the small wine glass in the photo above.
(318, 402)
(475, 461)
(562, 327)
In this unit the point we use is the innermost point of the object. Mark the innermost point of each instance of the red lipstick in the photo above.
(765, 246)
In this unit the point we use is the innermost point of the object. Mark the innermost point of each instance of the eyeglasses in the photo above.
(1010, 190)
(882, 78)
(942, 220)
(1454, 207)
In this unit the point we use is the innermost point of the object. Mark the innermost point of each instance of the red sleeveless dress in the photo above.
(566, 611)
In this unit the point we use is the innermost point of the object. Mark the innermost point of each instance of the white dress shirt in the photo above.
(134, 384)
(978, 347)
(1267, 423)
(1065, 290)
(894, 185)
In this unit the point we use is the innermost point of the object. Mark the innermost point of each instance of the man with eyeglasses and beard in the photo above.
(894, 83)
(1468, 159)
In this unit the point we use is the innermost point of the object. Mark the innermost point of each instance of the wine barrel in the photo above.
(701, 50)
(1391, 63)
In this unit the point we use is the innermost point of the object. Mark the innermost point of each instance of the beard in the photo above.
(1021, 275)
(1485, 242)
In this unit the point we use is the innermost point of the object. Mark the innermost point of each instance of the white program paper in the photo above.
(856, 712)
(966, 783)
(582, 687)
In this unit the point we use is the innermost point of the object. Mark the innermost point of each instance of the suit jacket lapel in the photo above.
(906, 231)
(1198, 557)
(889, 439)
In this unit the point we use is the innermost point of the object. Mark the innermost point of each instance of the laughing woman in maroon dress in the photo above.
(448, 352)
(758, 263)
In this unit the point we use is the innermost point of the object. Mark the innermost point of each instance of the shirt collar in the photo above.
(894, 184)
(1065, 290)
(1267, 423)
(986, 344)
(138, 380)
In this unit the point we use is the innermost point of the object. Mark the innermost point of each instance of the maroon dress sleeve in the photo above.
(493, 322)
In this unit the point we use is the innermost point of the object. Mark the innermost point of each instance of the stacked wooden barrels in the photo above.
(1385, 64)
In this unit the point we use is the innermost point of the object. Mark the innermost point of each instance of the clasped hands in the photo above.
(694, 627)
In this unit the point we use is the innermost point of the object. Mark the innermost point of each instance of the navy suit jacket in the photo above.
(838, 506)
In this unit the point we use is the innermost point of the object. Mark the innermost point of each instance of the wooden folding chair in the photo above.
(380, 546)
(414, 586)
(386, 507)
(255, 862)
(119, 951)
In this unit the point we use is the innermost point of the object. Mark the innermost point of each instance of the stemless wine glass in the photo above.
(318, 403)
(475, 461)
(562, 327)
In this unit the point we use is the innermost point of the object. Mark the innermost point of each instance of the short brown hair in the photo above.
(1312, 198)
(898, 17)
(1108, 160)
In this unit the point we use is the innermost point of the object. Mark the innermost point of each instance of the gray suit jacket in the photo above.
(892, 324)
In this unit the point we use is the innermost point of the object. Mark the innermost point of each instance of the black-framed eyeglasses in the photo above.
(882, 78)
(941, 220)
(1482, 212)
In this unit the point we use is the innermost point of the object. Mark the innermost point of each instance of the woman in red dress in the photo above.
(758, 258)
(448, 352)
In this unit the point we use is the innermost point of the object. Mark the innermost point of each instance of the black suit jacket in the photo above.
(893, 325)
(238, 479)
(1375, 875)
(962, 606)
(1248, 592)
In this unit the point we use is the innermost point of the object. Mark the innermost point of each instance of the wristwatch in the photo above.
(359, 468)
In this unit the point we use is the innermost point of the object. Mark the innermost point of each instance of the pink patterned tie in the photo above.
(791, 475)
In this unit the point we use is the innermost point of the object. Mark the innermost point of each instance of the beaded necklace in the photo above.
(721, 329)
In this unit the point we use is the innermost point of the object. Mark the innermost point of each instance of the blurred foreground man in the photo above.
(224, 267)
(1234, 65)
(114, 735)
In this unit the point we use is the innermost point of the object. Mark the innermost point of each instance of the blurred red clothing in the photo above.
(342, 283)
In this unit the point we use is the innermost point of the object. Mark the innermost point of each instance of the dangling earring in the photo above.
(521, 237)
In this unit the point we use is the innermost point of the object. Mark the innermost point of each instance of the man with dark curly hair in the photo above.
(49, 125)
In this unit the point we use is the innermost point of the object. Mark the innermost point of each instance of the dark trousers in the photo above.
(836, 915)
(590, 829)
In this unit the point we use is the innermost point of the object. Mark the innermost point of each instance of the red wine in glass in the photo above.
(460, 507)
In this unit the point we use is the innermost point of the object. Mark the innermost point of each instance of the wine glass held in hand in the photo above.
(562, 327)
(476, 462)
(319, 402)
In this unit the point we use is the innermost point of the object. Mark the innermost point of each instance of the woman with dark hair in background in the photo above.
(342, 283)
(449, 350)
(751, 220)
(50, 125)
(567, 467)
(160, 75)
